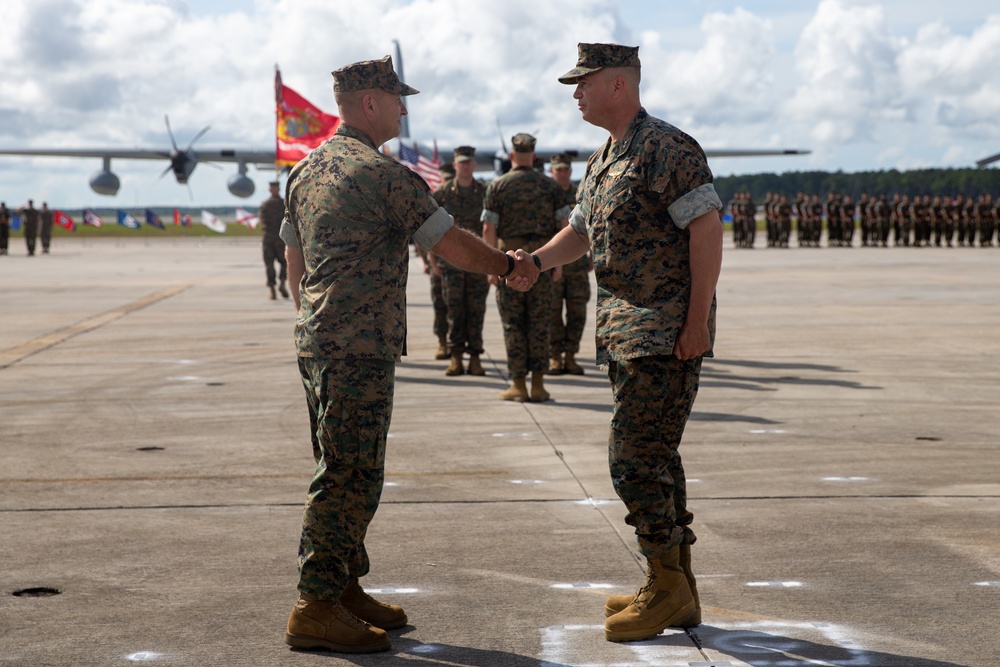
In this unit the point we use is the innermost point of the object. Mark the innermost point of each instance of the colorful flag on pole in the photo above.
(300, 125)
(153, 219)
(92, 219)
(429, 170)
(213, 222)
(64, 221)
(124, 219)
(247, 218)
(15, 222)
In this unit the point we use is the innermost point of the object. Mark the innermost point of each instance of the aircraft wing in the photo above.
(752, 152)
(988, 160)
(245, 156)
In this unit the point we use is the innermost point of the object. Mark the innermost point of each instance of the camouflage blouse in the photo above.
(524, 203)
(354, 211)
(464, 204)
(635, 202)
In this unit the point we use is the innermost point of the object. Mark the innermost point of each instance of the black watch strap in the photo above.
(510, 266)
(538, 262)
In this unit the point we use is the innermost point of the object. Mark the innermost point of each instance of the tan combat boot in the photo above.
(517, 391)
(664, 601)
(475, 366)
(370, 610)
(615, 603)
(570, 365)
(273, 295)
(556, 365)
(282, 289)
(316, 623)
(455, 367)
(442, 351)
(538, 393)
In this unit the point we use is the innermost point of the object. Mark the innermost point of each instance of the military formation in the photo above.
(875, 220)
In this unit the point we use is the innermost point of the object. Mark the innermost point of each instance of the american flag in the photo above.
(426, 168)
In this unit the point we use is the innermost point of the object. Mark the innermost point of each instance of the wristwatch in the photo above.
(510, 266)
(538, 262)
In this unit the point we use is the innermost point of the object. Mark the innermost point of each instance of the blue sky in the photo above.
(864, 84)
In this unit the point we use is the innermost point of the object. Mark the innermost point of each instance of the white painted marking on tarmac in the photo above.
(391, 591)
(987, 583)
(593, 501)
(526, 481)
(775, 584)
(425, 648)
(513, 435)
(581, 585)
(143, 656)
(845, 479)
(767, 430)
(186, 378)
(391, 484)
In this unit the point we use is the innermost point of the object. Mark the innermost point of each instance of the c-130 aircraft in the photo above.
(183, 161)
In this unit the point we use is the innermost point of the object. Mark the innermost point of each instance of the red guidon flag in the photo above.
(301, 126)
(64, 221)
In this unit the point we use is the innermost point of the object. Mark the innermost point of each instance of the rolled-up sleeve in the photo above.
(434, 227)
(694, 204)
(287, 233)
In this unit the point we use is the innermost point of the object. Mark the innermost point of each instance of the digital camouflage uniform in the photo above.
(29, 223)
(573, 289)
(464, 292)
(45, 222)
(526, 206)
(354, 211)
(635, 202)
(271, 213)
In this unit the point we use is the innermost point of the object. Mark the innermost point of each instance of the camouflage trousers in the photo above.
(350, 405)
(440, 306)
(527, 322)
(465, 296)
(653, 397)
(573, 290)
(274, 251)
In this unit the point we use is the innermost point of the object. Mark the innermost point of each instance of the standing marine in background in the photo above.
(573, 289)
(523, 209)
(4, 227)
(45, 221)
(271, 213)
(464, 292)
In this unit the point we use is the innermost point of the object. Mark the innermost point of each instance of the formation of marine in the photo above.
(876, 220)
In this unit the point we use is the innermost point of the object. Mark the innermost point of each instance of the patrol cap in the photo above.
(274, 184)
(523, 143)
(369, 74)
(447, 168)
(559, 161)
(593, 57)
(465, 153)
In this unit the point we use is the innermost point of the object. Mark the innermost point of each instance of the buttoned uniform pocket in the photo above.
(354, 432)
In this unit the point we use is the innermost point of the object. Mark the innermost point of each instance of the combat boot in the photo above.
(273, 295)
(316, 623)
(455, 367)
(615, 603)
(517, 391)
(571, 366)
(282, 289)
(475, 366)
(556, 365)
(664, 601)
(538, 393)
(442, 351)
(368, 609)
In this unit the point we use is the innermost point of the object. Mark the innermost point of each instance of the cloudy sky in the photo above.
(864, 84)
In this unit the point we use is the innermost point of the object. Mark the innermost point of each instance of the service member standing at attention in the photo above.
(648, 212)
(573, 289)
(524, 209)
(4, 227)
(352, 212)
(45, 221)
(464, 292)
(29, 223)
(271, 213)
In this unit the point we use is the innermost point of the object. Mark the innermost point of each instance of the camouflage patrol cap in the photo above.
(465, 153)
(523, 143)
(369, 74)
(559, 161)
(593, 57)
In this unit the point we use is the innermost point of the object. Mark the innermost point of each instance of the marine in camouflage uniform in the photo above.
(572, 289)
(270, 214)
(352, 212)
(464, 292)
(45, 222)
(29, 223)
(649, 213)
(523, 209)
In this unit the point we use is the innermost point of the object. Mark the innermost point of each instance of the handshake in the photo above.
(524, 272)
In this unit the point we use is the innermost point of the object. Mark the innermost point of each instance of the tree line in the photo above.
(950, 182)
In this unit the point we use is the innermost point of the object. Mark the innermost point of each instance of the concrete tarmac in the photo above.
(843, 463)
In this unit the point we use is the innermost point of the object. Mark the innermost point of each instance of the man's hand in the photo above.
(692, 342)
(525, 272)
